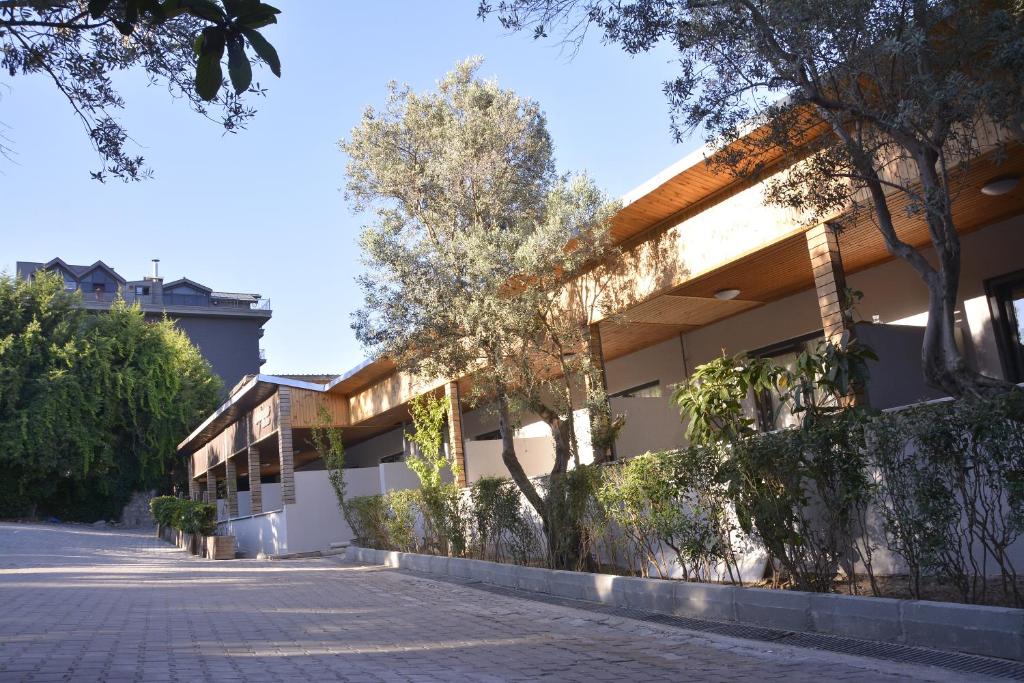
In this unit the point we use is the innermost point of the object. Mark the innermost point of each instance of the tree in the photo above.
(473, 229)
(854, 89)
(181, 43)
(91, 405)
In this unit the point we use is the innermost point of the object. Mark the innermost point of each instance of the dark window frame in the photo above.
(1004, 323)
(795, 344)
(627, 393)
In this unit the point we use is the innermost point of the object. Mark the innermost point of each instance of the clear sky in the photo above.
(262, 211)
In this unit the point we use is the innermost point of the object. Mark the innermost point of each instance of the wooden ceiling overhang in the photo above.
(764, 264)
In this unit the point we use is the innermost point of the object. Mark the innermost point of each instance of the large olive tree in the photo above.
(864, 87)
(473, 234)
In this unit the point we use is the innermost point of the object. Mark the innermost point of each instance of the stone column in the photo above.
(255, 492)
(193, 483)
(231, 482)
(211, 486)
(597, 385)
(455, 438)
(284, 445)
(829, 281)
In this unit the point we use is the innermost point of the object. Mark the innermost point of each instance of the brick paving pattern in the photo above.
(93, 605)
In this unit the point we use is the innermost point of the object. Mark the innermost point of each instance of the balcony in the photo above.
(100, 300)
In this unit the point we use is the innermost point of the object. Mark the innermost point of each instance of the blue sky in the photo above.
(262, 211)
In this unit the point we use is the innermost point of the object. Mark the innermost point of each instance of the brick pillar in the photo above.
(597, 384)
(255, 492)
(455, 438)
(211, 486)
(231, 482)
(284, 445)
(829, 281)
(193, 483)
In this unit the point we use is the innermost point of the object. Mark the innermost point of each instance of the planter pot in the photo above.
(160, 531)
(220, 547)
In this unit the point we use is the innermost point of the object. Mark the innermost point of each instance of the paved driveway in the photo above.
(84, 604)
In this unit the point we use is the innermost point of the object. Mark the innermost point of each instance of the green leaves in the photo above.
(210, 48)
(264, 50)
(239, 68)
(230, 26)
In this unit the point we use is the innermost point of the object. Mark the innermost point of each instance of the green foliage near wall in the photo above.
(92, 406)
(192, 517)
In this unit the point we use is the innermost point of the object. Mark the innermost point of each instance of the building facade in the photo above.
(225, 326)
(707, 267)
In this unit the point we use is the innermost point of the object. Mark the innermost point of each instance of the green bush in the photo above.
(367, 516)
(401, 510)
(951, 490)
(502, 532)
(189, 516)
(162, 508)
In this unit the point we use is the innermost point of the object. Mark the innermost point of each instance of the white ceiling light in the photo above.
(726, 294)
(998, 186)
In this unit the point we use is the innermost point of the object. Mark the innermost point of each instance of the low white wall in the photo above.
(314, 520)
(396, 476)
(483, 458)
(260, 534)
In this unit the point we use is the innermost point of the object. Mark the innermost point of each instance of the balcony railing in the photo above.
(175, 300)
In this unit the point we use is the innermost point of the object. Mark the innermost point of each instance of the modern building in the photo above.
(226, 326)
(710, 267)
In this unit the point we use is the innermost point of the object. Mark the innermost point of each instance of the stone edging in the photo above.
(973, 629)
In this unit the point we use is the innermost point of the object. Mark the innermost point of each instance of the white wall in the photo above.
(396, 476)
(483, 458)
(263, 534)
(315, 520)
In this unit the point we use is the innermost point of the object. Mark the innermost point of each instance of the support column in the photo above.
(597, 390)
(211, 486)
(455, 439)
(284, 445)
(193, 484)
(829, 281)
(231, 482)
(255, 490)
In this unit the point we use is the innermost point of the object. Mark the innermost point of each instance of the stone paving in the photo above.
(82, 604)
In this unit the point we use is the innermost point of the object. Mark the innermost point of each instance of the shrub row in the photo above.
(188, 516)
(939, 487)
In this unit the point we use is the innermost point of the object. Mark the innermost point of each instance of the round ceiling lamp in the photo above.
(727, 294)
(1001, 185)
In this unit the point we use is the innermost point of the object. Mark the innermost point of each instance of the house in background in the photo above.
(707, 267)
(226, 326)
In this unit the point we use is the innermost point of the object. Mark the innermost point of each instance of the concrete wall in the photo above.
(230, 344)
(314, 520)
(368, 453)
(264, 534)
(396, 476)
(652, 424)
(483, 458)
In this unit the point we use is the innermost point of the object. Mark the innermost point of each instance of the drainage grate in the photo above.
(963, 663)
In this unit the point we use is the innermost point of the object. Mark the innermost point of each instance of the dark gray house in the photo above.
(226, 326)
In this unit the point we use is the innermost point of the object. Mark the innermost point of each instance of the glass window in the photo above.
(1006, 304)
(647, 390)
(397, 457)
(772, 413)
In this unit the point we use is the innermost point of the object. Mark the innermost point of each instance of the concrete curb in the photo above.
(971, 629)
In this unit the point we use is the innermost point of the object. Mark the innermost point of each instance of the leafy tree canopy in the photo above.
(80, 45)
(473, 237)
(855, 90)
(92, 406)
